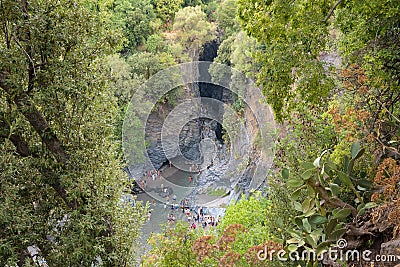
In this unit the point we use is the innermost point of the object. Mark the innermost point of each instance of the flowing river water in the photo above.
(159, 193)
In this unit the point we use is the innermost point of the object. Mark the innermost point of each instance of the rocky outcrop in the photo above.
(189, 133)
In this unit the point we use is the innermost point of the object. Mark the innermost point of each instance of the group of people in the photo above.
(194, 217)
(153, 174)
(174, 205)
(201, 219)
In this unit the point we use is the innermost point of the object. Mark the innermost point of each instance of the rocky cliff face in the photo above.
(189, 134)
(235, 169)
(243, 164)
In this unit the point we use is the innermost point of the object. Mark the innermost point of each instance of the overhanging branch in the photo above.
(331, 11)
(23, 149)
(37, 121)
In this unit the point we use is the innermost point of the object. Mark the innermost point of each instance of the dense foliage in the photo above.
(330, 72)
(68, 69)
(61, 182)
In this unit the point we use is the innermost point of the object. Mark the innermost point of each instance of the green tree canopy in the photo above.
(61, 181)
(293, 34)
(226, 17)
(136, 18)
(193, 30)
(166, 9)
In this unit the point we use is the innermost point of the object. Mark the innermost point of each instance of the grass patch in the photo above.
(217, 192)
